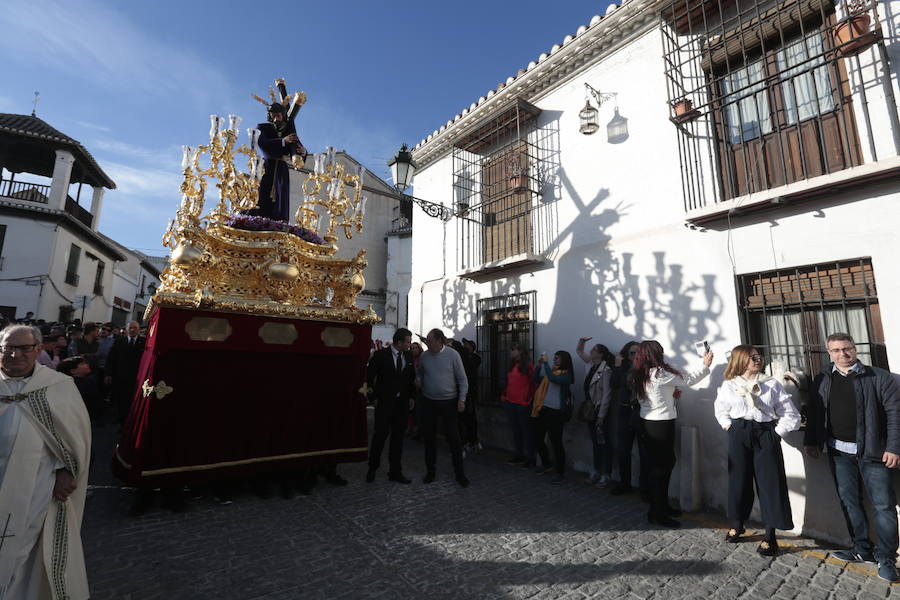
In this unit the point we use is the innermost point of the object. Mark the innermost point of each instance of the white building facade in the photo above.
(762, 213)
(53, 261)
(386, 238)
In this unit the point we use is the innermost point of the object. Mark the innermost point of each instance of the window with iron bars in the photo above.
(768, 82)
(789, 313)
(503, 322)
(498, 173)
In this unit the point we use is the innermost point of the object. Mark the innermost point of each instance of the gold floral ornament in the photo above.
(160, 389)
(327, 187)
(274, 273)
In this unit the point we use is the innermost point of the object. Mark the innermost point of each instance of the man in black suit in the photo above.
(391, 379)
(122, 367)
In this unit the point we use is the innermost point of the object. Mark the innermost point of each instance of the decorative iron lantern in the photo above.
(403, 168)
(589, 121)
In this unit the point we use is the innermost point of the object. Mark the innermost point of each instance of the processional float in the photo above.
(256, 351)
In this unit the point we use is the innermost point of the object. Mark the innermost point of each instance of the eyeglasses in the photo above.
(844, 350)
(10, 350)
(756, 358)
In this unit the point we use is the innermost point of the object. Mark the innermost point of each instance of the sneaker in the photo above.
(853, 556)
(888, 572)
(603, 481)
(516, 460)
(594, 477)
(558, 480)
(543, 469)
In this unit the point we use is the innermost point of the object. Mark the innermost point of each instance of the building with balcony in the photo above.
(678, 170)
(53, 261)
(386, 238)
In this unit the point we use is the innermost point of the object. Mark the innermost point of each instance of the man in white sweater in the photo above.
(441, 377)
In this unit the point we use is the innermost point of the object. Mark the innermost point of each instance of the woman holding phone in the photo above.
(552, 407)
(656, 384)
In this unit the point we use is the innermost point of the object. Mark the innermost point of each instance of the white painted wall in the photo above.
(399, 279)
(26, 253)
(99, 307)
(625, 267)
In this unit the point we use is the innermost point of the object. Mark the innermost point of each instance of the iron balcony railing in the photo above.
(22, 190)
(768, 92)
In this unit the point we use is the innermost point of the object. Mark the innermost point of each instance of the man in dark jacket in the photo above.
(122, 367)
(391, 379)
(855, 412)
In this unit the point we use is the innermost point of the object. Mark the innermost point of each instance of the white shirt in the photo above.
(760, 400)
(659, 405)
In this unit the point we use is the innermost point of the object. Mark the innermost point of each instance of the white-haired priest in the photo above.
(45, 447)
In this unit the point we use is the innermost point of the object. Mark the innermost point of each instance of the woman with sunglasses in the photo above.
(656, 385)
(551, 408)
(756, 412)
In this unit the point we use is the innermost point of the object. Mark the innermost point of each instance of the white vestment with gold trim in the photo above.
(44, 426)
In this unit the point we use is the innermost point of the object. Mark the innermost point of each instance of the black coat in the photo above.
(877, 412)
(384, 380)
(122, 364)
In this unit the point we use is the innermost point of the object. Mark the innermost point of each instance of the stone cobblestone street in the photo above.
(509, 535)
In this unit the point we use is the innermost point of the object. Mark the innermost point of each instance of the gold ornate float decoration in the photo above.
(218, 267)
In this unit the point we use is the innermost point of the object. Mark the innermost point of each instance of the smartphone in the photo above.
(701, 347)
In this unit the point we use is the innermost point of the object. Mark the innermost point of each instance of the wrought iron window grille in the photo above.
(769, 89)
(788, 313)
(500, 176)
(503, 321)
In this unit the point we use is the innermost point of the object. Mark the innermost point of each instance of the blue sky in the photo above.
(134, 81)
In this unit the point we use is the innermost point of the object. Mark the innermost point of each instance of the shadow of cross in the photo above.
(5, 535)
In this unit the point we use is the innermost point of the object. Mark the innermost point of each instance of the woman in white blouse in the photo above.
(756, 412)
(657, 385)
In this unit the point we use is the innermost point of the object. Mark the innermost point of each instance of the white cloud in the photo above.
(167, 158)
(94, 126)
(101, 45)
(137, 181)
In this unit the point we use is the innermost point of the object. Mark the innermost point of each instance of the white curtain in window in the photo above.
(834, 320)
(806, 86)
(784, 339)
(746, 103)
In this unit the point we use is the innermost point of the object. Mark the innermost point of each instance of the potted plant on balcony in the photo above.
(682, 107)
(853, 34)
(516, 174)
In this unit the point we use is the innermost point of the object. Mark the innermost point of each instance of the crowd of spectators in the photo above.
(102, 358)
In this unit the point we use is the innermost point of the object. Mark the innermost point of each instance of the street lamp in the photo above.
(403, 168)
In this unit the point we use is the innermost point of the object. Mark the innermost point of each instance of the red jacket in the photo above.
(519, 386)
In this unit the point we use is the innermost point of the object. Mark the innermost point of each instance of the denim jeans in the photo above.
(850, 473)
(602, 450)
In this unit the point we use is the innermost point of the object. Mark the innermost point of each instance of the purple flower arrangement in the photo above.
(254, 223)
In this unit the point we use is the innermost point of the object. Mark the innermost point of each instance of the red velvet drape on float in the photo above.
(224, 395)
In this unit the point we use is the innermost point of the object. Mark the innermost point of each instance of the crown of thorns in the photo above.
(280, 101)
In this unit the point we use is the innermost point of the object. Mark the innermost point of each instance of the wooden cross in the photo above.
(4, 535)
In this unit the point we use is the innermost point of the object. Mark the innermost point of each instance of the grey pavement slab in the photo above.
(511, 534)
